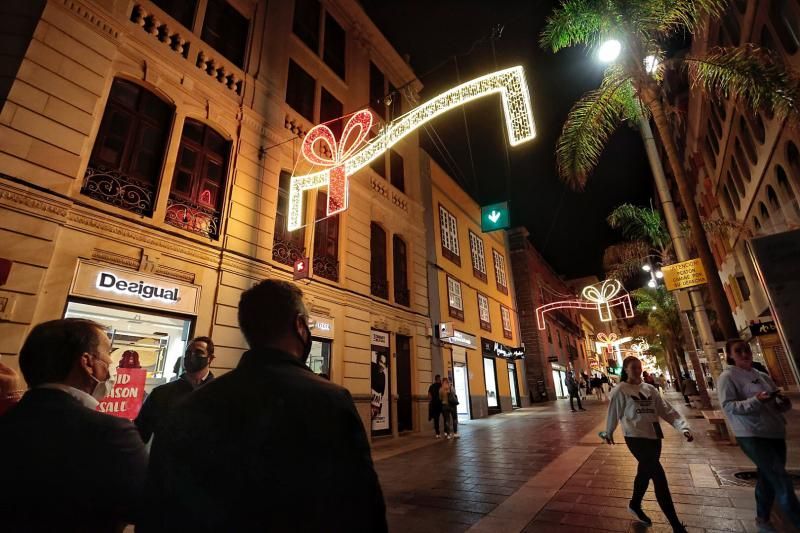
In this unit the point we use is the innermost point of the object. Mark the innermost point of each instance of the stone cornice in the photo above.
(25, 199)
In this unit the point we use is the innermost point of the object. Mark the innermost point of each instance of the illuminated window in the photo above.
(455, 303)
(483, 312)
(506, 316)
(500, 271)
(449, 234)
(478, 257)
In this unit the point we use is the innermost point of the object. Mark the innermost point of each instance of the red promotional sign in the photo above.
(127, 395)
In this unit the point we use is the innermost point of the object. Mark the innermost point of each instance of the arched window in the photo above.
(793, 156)
(772, 197)
(712, 159)
(198, 182)
(714, 143)
(786, 187)
(783, 15)
(287, 246)
(737, 174)
(756, 224)
(728, 199)
(128, 153)
(400, 264)
(737, 181)
(763, 210)
(747, 141)
(715, 122)
(757, 127)
(326, 241)
(732, 28)
(379, 284)
(766, 39)
(719, 106)
(740, 157)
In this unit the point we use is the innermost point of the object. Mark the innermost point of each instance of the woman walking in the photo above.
(449, 408)
(754, 407)
(639, 406)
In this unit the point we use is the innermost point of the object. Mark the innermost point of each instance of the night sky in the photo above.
(567, 227)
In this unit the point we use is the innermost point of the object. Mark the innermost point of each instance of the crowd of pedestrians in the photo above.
(269, 446)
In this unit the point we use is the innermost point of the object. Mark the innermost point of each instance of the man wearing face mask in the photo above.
(269, 446)
(67, 466)
(196, 361)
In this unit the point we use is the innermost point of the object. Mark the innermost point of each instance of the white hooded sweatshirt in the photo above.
(639, 407)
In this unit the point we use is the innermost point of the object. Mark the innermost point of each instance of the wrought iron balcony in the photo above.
(287, 251)
(326, 267)
(379, 288)
(402, 296)
(192, 217)
(118, 189)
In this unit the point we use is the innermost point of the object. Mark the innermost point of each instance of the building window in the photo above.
(744, 288)
(306, 25)
(377, 90)
(500, 272)
(379, 165)
(330, 112)
(783, 183)
(198, 183)
(287, 246)
(455, 303)
(449, 234)
(225, 29)
(506, 316)
(783, 15)
(756, 224)
(772, 197)
(326, 241)
(181, 10)
(483, 312)
(128, 152)
(728, 202)
(400, 261)
(747, 140)
(558, 334)
(713, 140)
(300, 88)
(478, 256)
(396, 172)
(549, 334)
(379, 283)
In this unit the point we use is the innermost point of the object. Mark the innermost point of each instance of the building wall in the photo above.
(445, 192)
(747, 163)
(49, 124)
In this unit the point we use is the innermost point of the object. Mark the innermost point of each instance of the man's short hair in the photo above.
(53, 347)
(268, 309)
(208, 341)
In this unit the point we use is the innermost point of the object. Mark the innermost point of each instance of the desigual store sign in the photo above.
(129, 287)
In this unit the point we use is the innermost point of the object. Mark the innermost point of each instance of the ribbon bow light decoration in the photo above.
(641, 346)
(352, 153)
(610, 339)
(601, 298)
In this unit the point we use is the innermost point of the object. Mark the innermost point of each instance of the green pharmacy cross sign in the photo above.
(495, 217)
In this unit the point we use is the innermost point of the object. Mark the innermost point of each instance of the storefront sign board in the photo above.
(127, 395)
(684, 274)
(461, 338)
(321, 327)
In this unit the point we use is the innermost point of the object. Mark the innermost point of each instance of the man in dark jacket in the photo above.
(196, 361)
(269, 446)
(67, 467)
(435, 403)
(572, 389)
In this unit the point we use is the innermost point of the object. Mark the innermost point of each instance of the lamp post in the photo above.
(678, 243)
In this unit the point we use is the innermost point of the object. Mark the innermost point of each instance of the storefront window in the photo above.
(319, 360)
(491, 382)
(159, 341)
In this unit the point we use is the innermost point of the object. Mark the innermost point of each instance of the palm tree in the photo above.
(632, 88)
(646, 238)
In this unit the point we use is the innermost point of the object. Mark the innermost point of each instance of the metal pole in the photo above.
(681, 251)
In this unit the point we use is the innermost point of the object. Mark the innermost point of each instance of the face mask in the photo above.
(194, 362)
(306, 345)
(103, 388)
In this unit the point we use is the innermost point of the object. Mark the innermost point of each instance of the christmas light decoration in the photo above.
(602, 299)
(350, 156)
(606, 339)
(641, 346)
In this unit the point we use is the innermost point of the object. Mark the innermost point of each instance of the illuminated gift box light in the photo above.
(601, 298)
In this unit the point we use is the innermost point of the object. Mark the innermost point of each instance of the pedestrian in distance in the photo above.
(268, 446)
(639, 406)
(581, 387)
(754, 407)
(196, 361)
(710, 381)
(596, 387)
(689, 389)
(435, 404)
(449, 401)
(605, 386)
(573, 388)
(68, 467)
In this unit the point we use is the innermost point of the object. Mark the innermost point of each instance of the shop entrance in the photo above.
(159, 341)
(461, 382)
(558, 380)
(319, 359)
(512, 381)
(404, 400)
(489, 374)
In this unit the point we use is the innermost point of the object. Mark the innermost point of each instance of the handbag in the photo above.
(452, 399)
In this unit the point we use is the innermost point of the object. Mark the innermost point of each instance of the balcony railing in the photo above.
(379, 288)
(287, 252)
(402, 296)
(326, 267)
(192, 217)
(118, 189)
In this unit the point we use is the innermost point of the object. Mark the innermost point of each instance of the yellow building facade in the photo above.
(472, 302)
(145, 155)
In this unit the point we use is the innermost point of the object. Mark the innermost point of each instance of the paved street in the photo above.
(543, 469)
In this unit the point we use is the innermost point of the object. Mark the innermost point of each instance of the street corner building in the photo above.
(146, 154)
(472, 305)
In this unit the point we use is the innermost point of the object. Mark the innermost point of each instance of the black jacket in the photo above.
(269, 446)
(161, 401)
(68, 468)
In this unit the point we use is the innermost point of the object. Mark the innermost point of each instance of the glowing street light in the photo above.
(647, 268)
(651, 284)
(651, 64)
(659, 274)
(654, 308)
(609, 51)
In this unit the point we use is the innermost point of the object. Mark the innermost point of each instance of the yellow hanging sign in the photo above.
(685, 274)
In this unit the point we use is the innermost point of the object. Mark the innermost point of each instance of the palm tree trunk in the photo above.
(718, 298)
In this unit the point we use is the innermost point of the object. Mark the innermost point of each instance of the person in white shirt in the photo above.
(639, 407)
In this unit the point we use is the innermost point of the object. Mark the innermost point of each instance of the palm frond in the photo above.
(685, 15)
(640, 223)
(624, 260)
(574, 22)
(590, 123)
(752, 75)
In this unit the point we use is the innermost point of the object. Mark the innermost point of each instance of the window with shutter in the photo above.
(500, 272)
(326, 241)
(478, 256)
(483, 312)
(400, 259)
(449, 235)
(287, 246)
(455, 303)
(505, 314)
(379, 284)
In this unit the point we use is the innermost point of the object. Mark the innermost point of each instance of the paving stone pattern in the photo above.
(542, 469)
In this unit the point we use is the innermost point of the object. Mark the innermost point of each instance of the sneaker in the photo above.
(438, 436)
(764, 525)
(449, 436)
(582, 409)
(456, 436)
(640, 516)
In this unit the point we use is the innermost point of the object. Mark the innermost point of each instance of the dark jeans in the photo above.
(648, 453)
(574, 395)
(435, 412)
(769, 455)
(449, 413)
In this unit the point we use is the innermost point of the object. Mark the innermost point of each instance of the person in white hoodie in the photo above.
(754, 407)
(639, 406)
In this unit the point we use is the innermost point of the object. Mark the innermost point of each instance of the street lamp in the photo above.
(647, 268)
(609, 51)
(659, 274)
(651, 284)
